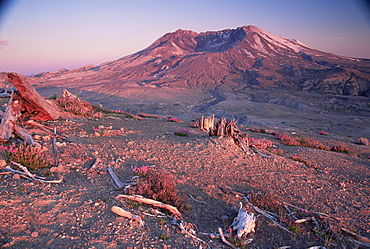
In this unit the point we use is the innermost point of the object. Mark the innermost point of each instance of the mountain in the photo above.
(242, 59)
(245, 73)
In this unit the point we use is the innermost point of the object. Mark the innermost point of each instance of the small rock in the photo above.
(34, 234)
(53, 169)
(362, 141)
(36, 137)
(16, 177)
(2, 163)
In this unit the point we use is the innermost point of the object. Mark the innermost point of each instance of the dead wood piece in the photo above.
(96, 163)
(244, 223)
(25, 170)
(359, 244)
(197, 200)
(5, 173)
(38, 107)
(201, 123)
(188, 230)
(357, 236)
(224, 240)
(30, 176)
(10, 117)
(259, 152)
(207, 124)
(23, 134)
(44, 128)
(115, 178)
(55, 149)
(241, 142)
(269, 216)
(154, 203)
(121, 212)
(221, 127)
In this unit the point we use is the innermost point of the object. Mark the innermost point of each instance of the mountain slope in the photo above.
(238, 60)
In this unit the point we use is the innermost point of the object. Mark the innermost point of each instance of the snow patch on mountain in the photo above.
(285, 43)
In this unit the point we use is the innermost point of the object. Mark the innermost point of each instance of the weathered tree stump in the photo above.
(223, 128)
(37, 106)
(23, 104)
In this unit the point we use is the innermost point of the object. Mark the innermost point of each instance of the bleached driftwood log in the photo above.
(115, 178)
(121, 212)
(154, 203)
(30, 176)
(244, 223)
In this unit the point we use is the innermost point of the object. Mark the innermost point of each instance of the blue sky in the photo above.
(43, 35)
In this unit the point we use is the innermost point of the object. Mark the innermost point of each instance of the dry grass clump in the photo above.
(182, 132)
(144, 115)
(342, 149)
(311, 143)
(305, 162)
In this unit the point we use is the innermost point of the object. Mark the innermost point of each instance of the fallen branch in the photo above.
(224, 240)
(26, 174)
(158, 204)
(115, 178)
(269, 216)
(320, 214)
(44, 128)
(357, 236)
(197, 200)
(25, 170)
(190, 234)
(156, 213)
(121, 212)
(259, 152)
(96, 163)
(23, 134)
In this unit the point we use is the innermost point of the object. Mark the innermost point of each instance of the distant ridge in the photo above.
(242, 59)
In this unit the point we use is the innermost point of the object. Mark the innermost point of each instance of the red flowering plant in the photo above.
(29, 156)
(158, 185)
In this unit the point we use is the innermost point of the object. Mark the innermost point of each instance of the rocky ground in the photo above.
(212, 173)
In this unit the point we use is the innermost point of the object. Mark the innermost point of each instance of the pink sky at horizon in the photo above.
(40, 36)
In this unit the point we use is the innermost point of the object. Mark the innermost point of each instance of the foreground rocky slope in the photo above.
(77, 212)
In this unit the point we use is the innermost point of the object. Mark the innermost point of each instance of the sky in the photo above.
(42, 35)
